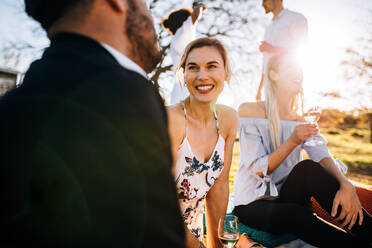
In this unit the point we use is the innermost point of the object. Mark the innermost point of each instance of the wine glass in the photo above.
(228, 230)
(312, 116)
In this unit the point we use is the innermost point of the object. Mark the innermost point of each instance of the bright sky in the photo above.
(334, 25)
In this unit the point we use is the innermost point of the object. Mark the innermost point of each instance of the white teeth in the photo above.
(203, 88)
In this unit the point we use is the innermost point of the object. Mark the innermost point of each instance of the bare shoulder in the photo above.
(228, 118)
(173, 109)
(176, 116)
(252, 109)
(226, 111)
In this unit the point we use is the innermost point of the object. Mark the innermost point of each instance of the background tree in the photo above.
(358, 71)
(19, 49)
(238, 23)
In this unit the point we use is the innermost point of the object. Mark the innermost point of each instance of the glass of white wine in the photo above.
(228, 230)
(312, 116)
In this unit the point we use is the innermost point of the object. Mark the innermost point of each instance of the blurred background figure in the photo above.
(286, 33)
(181, 26)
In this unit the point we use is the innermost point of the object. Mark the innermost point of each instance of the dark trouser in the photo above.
(290, 212)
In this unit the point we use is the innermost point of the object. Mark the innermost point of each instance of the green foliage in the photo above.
(352, 147)
(358, 118)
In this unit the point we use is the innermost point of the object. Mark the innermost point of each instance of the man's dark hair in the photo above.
(47, 12)
(175, 20)
(196, 3)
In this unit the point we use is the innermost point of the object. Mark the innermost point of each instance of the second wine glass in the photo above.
(312, 116)
(228, 230)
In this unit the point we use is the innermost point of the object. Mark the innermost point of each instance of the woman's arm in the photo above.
(274, 159)
(299, 135)
(197, 12)
(218, 195)
(175, 130)
(346, 196)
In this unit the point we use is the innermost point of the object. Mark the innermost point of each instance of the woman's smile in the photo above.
(204, 88)
(205, 74)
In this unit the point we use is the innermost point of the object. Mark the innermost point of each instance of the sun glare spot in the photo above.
(319, 58)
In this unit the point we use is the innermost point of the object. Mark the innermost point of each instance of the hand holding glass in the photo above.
(312, 116)
(228, 230)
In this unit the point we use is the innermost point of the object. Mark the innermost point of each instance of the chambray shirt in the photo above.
(255, 149)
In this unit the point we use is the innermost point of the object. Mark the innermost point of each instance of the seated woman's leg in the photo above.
(278, 217)
(309, 178)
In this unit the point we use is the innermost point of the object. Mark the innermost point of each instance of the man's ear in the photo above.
(118, 5)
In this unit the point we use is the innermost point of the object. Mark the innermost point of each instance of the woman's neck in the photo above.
(285, 107)
(199, 111)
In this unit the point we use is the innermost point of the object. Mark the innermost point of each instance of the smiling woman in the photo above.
(202, 136)
(205, 77)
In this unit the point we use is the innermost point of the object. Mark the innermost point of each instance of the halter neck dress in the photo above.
(194, 179)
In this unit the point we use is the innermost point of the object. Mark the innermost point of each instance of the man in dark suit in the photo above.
(85, 154)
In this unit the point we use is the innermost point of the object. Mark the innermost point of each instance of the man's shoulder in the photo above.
(117, 77)
(294, 15)
(120, 74)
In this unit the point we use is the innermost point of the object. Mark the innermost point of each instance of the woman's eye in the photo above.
(212, 66)
(192, 67)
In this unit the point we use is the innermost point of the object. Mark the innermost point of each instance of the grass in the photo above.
(351, 146)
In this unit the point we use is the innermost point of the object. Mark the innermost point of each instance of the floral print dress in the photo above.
(194, 179)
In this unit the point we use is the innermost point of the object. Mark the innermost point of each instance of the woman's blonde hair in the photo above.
(271, 101)
(204, 42)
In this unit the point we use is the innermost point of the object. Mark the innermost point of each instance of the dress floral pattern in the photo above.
(194, 179)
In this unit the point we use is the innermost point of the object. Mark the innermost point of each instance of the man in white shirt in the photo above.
(286, 33)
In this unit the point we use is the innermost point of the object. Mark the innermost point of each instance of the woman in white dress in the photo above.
(202, 136)
(181, 26)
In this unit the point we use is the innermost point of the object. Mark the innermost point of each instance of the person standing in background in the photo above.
(287, 31)
(181, 25)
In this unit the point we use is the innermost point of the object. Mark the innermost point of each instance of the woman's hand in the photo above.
(298, 136)
(302, 132)
(246, 242)
(351, 208)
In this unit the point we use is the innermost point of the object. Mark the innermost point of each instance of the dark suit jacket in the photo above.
(85, 155)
